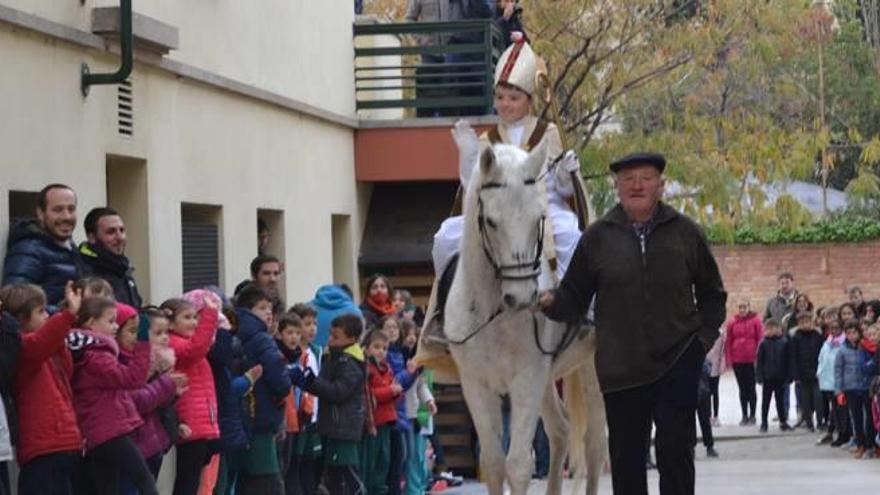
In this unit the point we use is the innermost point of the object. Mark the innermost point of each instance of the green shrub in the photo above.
(845, 229)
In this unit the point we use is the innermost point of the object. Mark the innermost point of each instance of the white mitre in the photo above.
(518, 66)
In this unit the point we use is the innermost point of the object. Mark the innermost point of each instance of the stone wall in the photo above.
(822, 271)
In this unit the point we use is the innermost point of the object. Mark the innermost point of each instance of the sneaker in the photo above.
(841, 441)
(825, 439)
(763, 428)
(450, 478)
(711, 452)
(869, 454)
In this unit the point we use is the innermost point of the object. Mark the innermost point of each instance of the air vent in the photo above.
(125, 108)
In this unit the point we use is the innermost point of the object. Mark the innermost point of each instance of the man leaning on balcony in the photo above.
(432, 11)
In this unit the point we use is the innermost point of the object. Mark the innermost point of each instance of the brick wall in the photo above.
(822, 271)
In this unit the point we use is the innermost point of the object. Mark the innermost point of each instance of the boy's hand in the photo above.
(73, 298)
(396, 389)
(184, 431)
(254, 373)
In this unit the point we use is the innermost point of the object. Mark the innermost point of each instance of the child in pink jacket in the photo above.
(102, 398)
(162, 387)
(192, 329)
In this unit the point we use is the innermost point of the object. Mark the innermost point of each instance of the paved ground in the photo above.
(752, 463)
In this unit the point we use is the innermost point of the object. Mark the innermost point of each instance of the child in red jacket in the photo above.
(49, 439)
(102, 388)
(382, 396)
(192, 333)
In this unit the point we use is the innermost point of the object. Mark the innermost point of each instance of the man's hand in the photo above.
(508, 10)
(73, 297)
(396, 389)
(545, 300)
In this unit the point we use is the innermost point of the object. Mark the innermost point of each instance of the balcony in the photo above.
(412, 81)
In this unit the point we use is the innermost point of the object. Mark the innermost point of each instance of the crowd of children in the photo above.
(96, 395)
(831, 356)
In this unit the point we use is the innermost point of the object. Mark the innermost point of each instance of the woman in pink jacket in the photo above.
(192, 333)
(744, 333)
(102, 399)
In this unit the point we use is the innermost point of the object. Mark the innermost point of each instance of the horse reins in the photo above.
(535, 265)
(501, 270)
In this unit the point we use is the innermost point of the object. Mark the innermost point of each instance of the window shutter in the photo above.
(201, 259)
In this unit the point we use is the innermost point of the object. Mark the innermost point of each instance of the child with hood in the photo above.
(102, 387)
(163, 385)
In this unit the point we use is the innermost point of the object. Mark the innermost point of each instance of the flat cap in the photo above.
(641, 158)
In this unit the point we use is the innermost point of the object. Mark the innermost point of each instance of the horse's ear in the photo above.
(537, 158)
(487, 161)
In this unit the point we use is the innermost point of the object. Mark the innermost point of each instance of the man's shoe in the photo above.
(841, 441)
(784, 427)
(711, 452)
(744, 422)
(763, 428)
(825, 439)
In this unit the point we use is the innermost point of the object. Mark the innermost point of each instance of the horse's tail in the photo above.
(586, 416)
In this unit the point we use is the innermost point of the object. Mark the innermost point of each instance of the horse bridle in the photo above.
(510, 271)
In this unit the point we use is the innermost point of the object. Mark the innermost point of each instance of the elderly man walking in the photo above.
(659, 302)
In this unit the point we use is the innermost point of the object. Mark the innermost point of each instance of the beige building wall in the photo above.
(301, 49)
(196, 142)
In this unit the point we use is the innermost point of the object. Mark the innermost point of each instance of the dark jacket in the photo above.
(34, 257)
(511, 25)
(805, 347)
(397, 361)
(340, 389)
(773, 360)
(653, 297)
(271, 389)
(115, 269)
(779, 306)
(225, 357)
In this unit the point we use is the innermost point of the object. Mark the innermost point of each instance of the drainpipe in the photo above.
(126, 43)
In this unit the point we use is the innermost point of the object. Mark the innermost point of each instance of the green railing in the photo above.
(438, 68)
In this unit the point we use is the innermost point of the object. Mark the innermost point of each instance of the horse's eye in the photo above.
(491, 223)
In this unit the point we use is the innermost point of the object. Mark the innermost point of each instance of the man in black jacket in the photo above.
(42, 251)
(104, 254)
(659, 302)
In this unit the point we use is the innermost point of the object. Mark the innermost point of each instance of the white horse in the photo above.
(501, 347)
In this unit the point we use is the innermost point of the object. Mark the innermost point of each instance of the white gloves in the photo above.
(570, 162)
(468, 149)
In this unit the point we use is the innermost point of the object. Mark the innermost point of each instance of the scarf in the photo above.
(836, 341)
(381, 305)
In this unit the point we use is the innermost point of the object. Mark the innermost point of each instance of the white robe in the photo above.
(447, 240)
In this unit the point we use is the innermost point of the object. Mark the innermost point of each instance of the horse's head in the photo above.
(510, 215)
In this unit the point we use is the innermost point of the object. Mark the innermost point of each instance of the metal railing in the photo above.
(438, 68)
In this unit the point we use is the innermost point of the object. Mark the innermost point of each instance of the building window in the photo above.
(201, 237)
